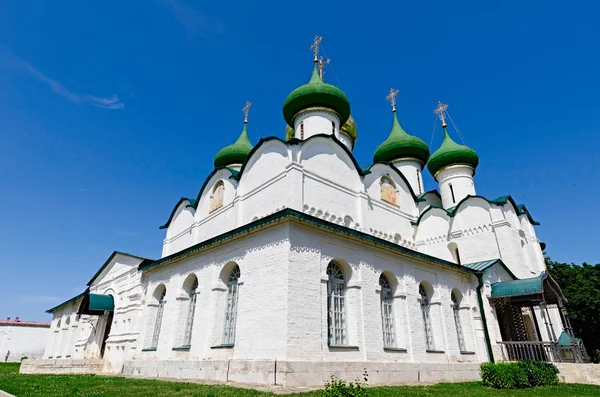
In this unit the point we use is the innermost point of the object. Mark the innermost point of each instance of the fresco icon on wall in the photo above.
(216, 199)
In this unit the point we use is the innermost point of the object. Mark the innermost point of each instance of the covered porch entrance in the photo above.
(523, 308)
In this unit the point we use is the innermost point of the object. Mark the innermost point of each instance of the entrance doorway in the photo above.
(109, 320)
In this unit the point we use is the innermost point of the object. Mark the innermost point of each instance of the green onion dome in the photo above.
(349, 128)
(451, 153)
(313, 94)
(235, 153)
(400, 145)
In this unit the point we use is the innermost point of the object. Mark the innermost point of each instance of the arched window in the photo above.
(452, 193)
(231, 306)
(161, 292)
(453, 247)
(189, 322)
(216, 198)
(456, 312)
(336, 306)
(387, 312)
(388, 190)
(333, 127)
(426, 319)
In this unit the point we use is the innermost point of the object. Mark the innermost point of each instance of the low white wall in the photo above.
(579, 373)
(61, 366)
(18, 341)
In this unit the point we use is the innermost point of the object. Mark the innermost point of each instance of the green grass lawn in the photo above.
(90, 385)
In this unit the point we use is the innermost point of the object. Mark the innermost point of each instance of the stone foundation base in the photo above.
(61, 366)
(579, 373)
(269, 372)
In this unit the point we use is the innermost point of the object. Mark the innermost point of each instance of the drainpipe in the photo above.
(486, 333)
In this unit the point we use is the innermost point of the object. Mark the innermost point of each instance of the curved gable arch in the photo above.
(268, 158)
(327, 157)
(371, 183)
(230, 185)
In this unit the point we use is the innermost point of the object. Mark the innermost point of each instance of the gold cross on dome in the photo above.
(391, 98)
(315, 46)
(246, 110)
(440, 110)
(322, 65)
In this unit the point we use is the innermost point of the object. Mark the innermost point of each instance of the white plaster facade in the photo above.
(288, 212)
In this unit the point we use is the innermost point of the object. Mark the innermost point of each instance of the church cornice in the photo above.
(299, 217)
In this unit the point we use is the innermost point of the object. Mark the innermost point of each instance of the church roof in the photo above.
(502, 200)
(450, 153)
(235, 153)
(316, 93)
(110, 258)
(289, 213)
(399, 145)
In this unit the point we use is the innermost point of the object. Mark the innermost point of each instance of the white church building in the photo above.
(293, 262)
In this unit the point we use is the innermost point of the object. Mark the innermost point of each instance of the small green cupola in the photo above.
(236, 153)
(316, 93)
(450, 152)
(400, 145)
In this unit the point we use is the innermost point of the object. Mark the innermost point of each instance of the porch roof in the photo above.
(526, 286)
(541, 288)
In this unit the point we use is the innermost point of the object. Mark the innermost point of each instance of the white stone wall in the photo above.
(18, 341)
(457, 179)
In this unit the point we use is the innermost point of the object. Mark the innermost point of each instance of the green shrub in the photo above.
(340, 388)
(504, 376)
(539, 373)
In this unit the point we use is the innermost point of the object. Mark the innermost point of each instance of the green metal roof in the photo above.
(316, 93)
(399, 144)
(483, 265)
(110, 258)
(73, 299)
(451, 153)
(101, 302)
(564, 340)
(235, 153)
(526, 286)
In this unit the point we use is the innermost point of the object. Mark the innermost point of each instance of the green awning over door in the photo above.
(101, 303)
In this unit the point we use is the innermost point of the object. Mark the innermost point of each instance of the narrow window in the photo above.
(426, 319)
(189, 323)
(452, 192)
(159, 316)
(336, 306)
(302, 130)
(387, 312)
(419, 181)
(231, 306)
(459, 332)
(457, 256)
(333, 127)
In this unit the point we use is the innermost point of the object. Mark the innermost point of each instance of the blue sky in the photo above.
(110, 111)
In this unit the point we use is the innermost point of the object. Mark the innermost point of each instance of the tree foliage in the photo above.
(581, 287)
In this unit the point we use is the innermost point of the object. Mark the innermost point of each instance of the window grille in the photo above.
(387, 312)
(159, 316)
(426, 319)
(231, 306)
(187, 339)
(459, 331)
(336, 306)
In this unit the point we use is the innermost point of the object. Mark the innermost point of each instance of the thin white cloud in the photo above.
(11, 61)
(193, 21)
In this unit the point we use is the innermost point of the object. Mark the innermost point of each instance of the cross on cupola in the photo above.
(246, 110)
(315, 47)
(391, 98)
(440, 111)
